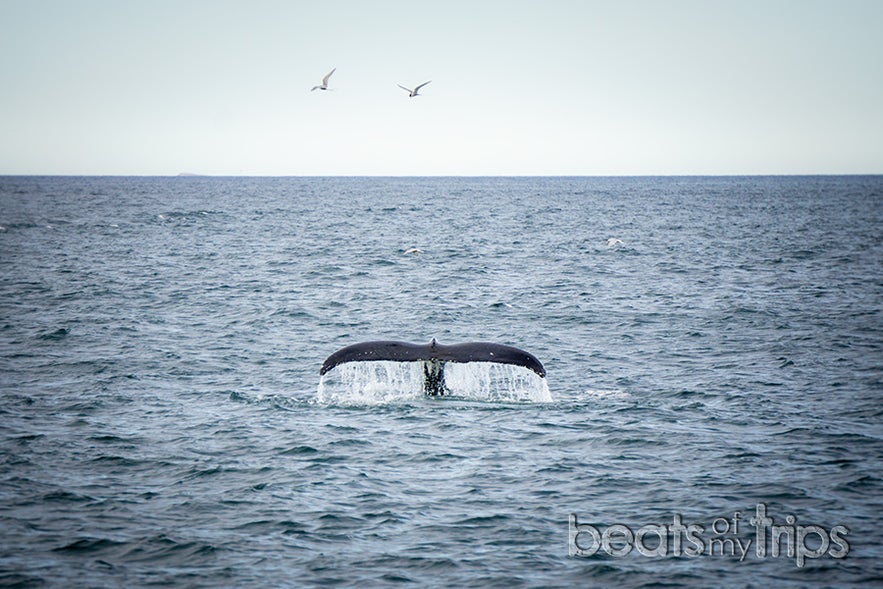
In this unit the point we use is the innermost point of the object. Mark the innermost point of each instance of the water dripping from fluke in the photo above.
(381, 372)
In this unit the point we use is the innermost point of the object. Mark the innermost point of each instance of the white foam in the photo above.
(383, 382)
(604, 394)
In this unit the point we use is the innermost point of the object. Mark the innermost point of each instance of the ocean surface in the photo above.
(713, 413)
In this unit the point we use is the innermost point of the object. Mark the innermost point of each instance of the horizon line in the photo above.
(186, 175)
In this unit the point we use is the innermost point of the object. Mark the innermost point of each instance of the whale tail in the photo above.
(434, 357)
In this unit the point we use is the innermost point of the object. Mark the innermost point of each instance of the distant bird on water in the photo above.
(413, 93)
(324, 84)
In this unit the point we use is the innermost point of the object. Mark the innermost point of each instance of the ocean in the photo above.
(711, 413)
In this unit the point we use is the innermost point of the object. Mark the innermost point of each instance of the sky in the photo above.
(518, 88)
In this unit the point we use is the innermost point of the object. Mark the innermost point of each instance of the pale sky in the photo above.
(545, 87)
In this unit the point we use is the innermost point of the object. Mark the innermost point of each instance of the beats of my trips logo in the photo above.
(725, 537)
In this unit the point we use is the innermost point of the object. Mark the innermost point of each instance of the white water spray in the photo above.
(382, 382)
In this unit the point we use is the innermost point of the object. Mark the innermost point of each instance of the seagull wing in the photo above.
(403, 88)
(420, 86)
(325, 79)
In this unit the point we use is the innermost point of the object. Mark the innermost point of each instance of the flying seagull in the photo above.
(324, 84)
(413, 93)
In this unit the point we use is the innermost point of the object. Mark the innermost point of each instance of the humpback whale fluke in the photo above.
(434, 357)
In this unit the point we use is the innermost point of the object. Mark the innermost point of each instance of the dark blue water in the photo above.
(160, 345)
